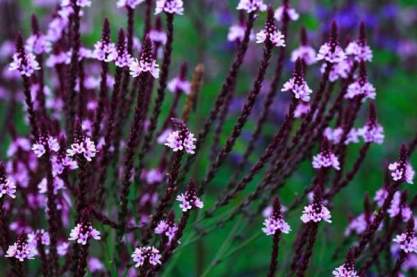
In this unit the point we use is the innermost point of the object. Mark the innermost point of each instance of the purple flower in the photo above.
(38, 44)
(270, 33)
(339, 70)
(333, 135)
(169, 6)
(274, 222)
(146, 62)
(380, 196)
(345, 270)
(105, 51)
(372, 132)
(178, 84)
(359, 52)
(299, 87)
(331, 53)
(80, 3)
(306, 53)
(82, 232)
(21, 250)
(62, 248)
(189, 200)
(357, 225)
(362, 88)
(158, 36)
(153, 176)
(326, 159)
(407, 242)
(301, 109)
(148, 255)
(129, 3)
(251, 6)
(236, 33)
(181, 139)
(39, 235)
(315, 213)
(397, 208)
(39, 147)
(84, 147)
(292, 13)
(95, 265)
(26, 66)
(167, 228)
(402, 171)
(7, 185)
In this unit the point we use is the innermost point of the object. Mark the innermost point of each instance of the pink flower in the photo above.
(38, 44)
(339, 70)
(373, 132)
(315, 213)
(83, 232)
(298, 86)
(345, 270)
(270, 33)
(146, 255)
(251, 6)
(301, 109)
(326, 159)
(380, 196)
(401, 171)
(305, 53)
(292, 14)
(158, 36)
(332, 54)
(84, 147)
(359, 51)
(146, 63)
(27, 67)
(273, 224)
(181, 139)
(167, 228)
(39, 236)
(21, 250)
(169, 6)
(178, 84)
(360, 87)
(129, 3)
(189, 200)
(407, 242)
(39, 147)
(7, 187)
(105, 51)
(236, 33)
(358, 225)
(333, 135)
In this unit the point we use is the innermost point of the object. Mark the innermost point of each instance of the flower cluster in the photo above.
(189, 200)
(169, 6)
(331, 52)
(304, 52)
(167, 228)
(372, 132)
(251, 6)
(39, 147)
(129, 3)
(316, 212)
(270, 33)
(7, 186)
(146, 255)
(402, 171)
(359, 51)
(105, 51)
(326, 159)
(84, 147)
(181, 139)
(298, 86)
(275, 223)
(146, 62)
(291, 13)
(345, 270)
(25, 65)
(37, 44)
(82, 232)
(21, 250)
(407, 240)
(362, 88)
(398, 207)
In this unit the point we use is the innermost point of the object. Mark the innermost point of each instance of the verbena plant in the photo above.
(105, 167)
